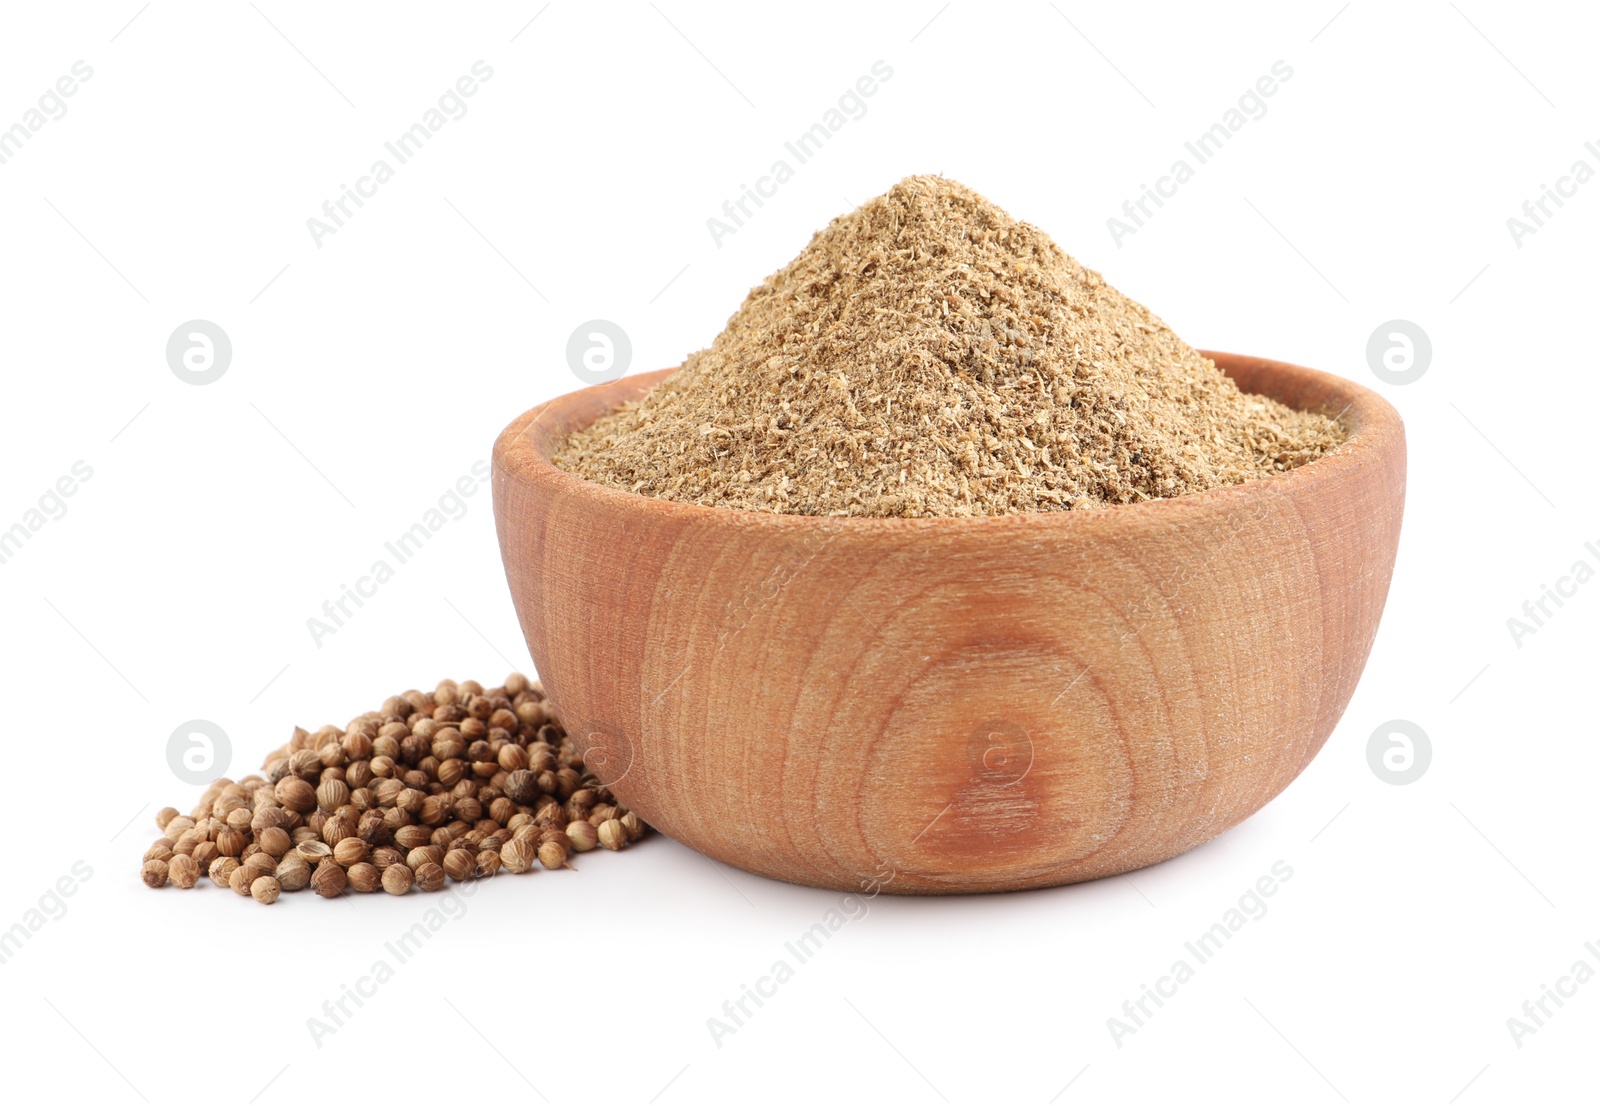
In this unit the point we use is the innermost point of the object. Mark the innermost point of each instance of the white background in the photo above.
(372, 371)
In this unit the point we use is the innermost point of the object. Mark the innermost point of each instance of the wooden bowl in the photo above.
(948, 705)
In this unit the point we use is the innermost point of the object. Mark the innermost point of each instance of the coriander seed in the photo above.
(337, 828)
(363, 877)
(293, 873)
(176, 827)
(411, 837)
(239, 882)
(230, 842)
(313, 850)
(397, 879)
(384, 857)
(429, 877)
(633, 824)
(332, 794)
(275, 841)
(612, 835)
(424, 854)
(183, 871)
(328, 879)
(459, 864)
(351, 850)
(582, 835)
(518, 855)
(423, 790)
(296, 794)
(259, 865)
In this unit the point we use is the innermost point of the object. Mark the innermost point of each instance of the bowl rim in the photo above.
(1375, 430)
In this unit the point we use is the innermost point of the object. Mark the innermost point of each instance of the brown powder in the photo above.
(927, 354)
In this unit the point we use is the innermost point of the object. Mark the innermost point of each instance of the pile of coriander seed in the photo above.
(458, 784)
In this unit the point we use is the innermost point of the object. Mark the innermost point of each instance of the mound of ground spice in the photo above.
(928, 355)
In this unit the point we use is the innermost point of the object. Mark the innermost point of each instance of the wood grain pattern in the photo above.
(954, 705)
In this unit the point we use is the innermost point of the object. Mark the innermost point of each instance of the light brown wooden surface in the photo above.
(951, 705)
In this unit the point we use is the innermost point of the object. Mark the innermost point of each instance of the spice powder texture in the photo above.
(928, 355)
